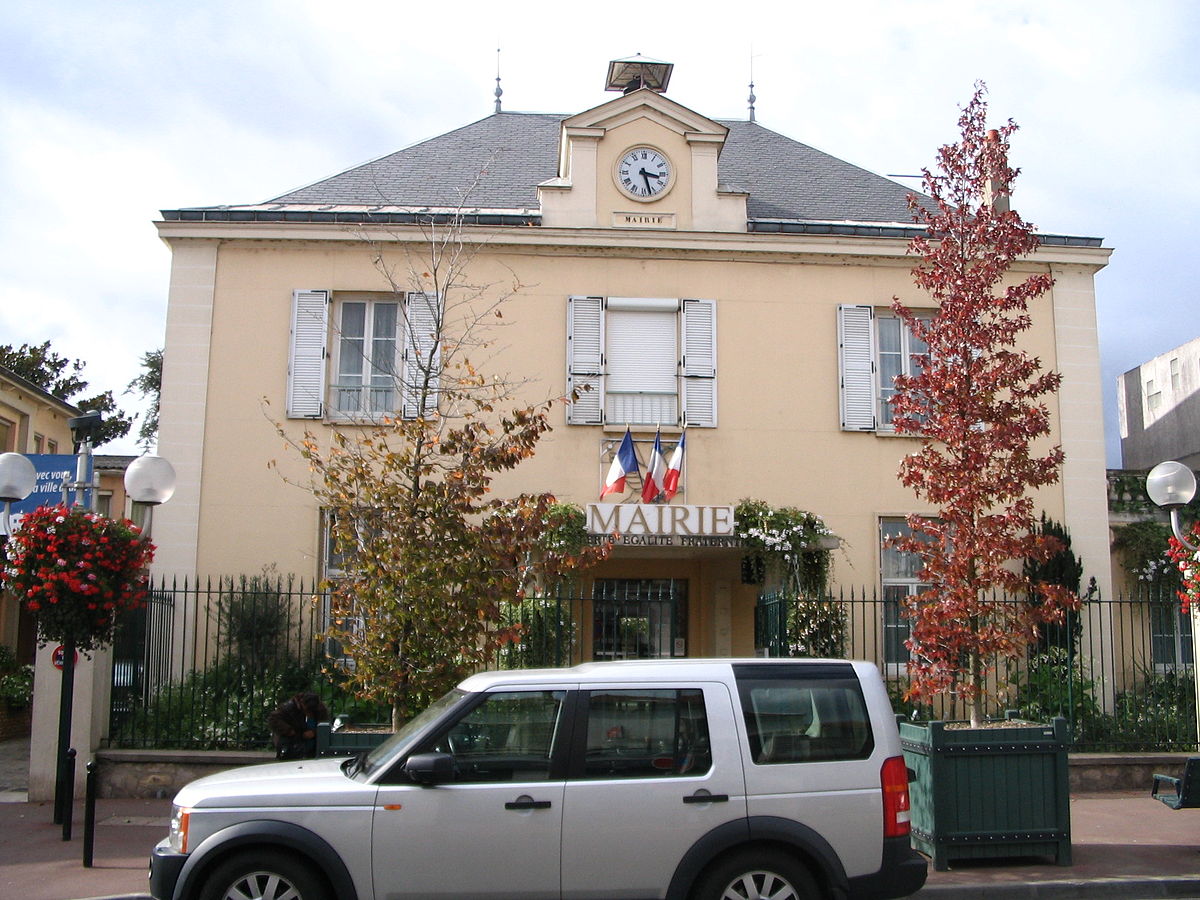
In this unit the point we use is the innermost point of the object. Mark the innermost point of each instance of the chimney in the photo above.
(991, 189)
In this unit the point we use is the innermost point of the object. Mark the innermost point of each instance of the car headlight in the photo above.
(178, 835)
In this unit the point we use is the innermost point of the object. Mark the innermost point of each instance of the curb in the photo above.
(1066, 889)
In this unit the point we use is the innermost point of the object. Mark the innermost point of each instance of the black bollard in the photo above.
(89, 815)
(68, 801)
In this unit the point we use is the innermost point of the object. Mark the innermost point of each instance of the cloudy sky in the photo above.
(111, 111)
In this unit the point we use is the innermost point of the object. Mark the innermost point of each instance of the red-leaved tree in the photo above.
(978, 404)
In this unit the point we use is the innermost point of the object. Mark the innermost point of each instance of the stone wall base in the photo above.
(1094, 772)
(160, 773)
(15, 722)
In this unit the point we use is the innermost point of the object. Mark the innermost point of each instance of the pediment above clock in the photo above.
(645, 104)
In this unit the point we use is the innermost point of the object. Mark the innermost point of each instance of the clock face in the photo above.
(644, 173)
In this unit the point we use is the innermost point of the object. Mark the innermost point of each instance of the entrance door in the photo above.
(639, 618)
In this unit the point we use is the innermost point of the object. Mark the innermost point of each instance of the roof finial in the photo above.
(752, 98)
(499, 92)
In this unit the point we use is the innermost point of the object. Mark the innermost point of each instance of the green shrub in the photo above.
(1050, 687)
(1160, 715)
(222, 708)
(16, 680)
(543, 634)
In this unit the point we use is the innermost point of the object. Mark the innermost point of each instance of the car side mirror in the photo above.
(430, 768)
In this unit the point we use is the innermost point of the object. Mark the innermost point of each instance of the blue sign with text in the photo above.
(52, 470)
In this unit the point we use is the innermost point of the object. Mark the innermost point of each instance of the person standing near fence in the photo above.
(293, 726)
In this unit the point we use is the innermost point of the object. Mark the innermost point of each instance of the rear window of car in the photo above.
(799, 714)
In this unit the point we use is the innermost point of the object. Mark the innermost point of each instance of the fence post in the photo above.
(89, 815)
(68, 795)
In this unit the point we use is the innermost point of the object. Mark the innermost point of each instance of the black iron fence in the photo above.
(1120, 671)
(205, 662)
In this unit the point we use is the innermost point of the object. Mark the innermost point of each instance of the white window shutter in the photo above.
(306, 360)
(422, 359)
(856, 363)
(585, 360)
(699, 363)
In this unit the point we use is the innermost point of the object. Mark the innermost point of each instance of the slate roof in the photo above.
(493, 166)
(497, 163)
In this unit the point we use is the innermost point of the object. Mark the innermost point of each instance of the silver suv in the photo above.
(701, 779)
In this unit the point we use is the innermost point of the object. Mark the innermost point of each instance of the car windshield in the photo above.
(408, 729)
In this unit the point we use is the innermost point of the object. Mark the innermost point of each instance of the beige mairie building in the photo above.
(694, 273)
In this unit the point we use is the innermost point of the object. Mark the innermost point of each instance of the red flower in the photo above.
(72, 558)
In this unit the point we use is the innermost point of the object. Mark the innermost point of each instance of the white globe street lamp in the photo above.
(150, 479)
(18, 477)
(1172, 485)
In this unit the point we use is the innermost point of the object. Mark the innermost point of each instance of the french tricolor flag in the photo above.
(674, 468)
(624, 463)
(656, 472)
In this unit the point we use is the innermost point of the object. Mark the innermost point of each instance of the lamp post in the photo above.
(1172, 485)
(149, 480)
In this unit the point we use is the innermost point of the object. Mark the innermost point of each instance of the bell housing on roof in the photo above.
(638, 71)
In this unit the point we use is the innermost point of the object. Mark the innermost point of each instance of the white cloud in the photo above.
(110, 112)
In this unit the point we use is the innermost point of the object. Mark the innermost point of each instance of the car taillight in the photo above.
(893, 779)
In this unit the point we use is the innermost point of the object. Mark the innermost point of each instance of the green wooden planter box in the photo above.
(988, 793)
(347, 742)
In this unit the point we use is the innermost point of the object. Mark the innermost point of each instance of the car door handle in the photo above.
(706, 797)
(527, 803)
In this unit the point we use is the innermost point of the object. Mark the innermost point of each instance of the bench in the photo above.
(1184, 792)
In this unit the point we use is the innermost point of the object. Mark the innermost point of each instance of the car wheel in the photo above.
(264, 875)
(759, 875)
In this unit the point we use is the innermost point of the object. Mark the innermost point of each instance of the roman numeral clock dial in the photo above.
(644, 173)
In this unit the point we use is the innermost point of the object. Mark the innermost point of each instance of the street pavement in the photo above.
(1126, 846)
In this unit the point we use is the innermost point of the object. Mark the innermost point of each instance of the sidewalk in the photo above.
(1126, 846)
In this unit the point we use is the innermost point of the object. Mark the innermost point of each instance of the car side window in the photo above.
(815, 715)
(508, 737)
(652, 733)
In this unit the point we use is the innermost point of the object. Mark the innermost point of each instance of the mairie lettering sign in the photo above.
(629, 519)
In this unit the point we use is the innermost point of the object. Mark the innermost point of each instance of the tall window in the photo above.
(1170, 636)
(368, 360)
(898, 574)
(899, 354)
(382, 353)
(8, 433)
(874, 348)
(641, 361)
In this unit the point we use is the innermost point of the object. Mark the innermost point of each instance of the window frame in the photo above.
(315, 352)
(861, 394)
(369, 369)
(910, 584)
(1180, 637)
(693, 356)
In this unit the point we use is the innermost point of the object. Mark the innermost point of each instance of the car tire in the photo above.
(264, 875)
(758, 875)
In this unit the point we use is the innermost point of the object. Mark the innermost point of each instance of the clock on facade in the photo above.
(644, 173)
